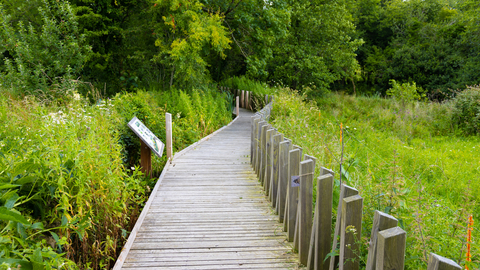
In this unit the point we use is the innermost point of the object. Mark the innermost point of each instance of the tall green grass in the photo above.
(70, 188)
(259, 90)
(409, 161)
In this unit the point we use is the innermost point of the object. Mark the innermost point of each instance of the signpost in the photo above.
(149, 142)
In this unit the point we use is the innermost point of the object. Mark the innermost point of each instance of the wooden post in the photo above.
(294, 159)
(268, 163)
(296, 236)
(284, 147)
(254, 139)
(275, 161)
(238, 106)
(323, 222)
(351, 231)
(248, 100)
(261, 165)
(258, 154)
(345, 192)
(381, 222)
(305, 201)
(437, 262)
(168, 130)
(391, 249)
(145, 158)
(242, 99)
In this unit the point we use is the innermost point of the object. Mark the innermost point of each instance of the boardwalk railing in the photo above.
(248, 99)
(287, 178)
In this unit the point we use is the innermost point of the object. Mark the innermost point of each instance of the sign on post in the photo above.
(149, 142)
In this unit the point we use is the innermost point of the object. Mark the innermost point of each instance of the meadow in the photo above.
(411, 160)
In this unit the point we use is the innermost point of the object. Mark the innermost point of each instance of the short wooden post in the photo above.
(269, 160)
(391, 249)
(381, 222)
(323, 221)
(248, 101)
(266, 100)
(145, 158)
(296, 236)
(276, 139)
(254, 139)
(351, 231)
(238, 106)
(168, 130)
(258, 154)
(294, 159)
(345, 191)
(284, 147)
(305, 201)
(437, 262)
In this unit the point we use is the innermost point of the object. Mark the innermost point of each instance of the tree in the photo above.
(319, 47)
(50, 55)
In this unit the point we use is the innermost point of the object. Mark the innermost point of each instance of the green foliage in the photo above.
(42, 57)
(319, 47)
(69, 187)
(185, 36)
(406, 93)
(410, 164)
(258, 90)
(467, 110)
(429, 42)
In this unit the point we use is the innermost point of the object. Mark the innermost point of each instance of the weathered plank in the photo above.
(209, 211)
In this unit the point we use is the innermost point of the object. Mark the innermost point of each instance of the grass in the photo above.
(410, 161)
(70, 188)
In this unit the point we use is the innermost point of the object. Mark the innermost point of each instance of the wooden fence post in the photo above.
(351, 231)
(307, 170)
(258, 154)
(284, 147)
(242, 99)
(345, 192)
(437, 262)
(263, 143)
(381, 222)
(268, 160)
(168, 131)
(321, 231)
(391, 249)
(238, 106)
(253, 143)
(276, 139)
(294, 159)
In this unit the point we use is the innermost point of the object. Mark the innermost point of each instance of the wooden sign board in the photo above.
(146, 136)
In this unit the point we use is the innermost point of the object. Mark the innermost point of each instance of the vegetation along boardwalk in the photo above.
(209, 211)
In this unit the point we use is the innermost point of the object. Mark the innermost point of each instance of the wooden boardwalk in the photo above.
(209, 211)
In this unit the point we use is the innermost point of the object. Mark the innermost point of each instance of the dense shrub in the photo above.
(467, 110)
(37, 60)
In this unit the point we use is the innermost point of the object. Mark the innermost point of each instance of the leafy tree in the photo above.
(43, 57)
(186, 34)
(319, 47)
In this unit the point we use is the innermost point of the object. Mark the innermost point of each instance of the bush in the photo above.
(38, 60)
(466, 113)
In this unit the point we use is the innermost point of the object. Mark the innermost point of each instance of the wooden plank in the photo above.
(391, 249)
(145, 158)
(305, 201)
(276, 139)
(261, 158)
(436, 262)
(284, 147)
(294, 159)
(351, 231)
(381, 221)
(268, 160)
(168, 131)
(254, 139)
(345, 191)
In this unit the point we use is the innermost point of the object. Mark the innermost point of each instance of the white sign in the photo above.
(146, 136)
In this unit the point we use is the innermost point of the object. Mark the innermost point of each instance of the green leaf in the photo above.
(6, 186)
(26, 180)
(11, 201)
(9, 215)
(37, 259)
(25, 265)
(21, 231)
